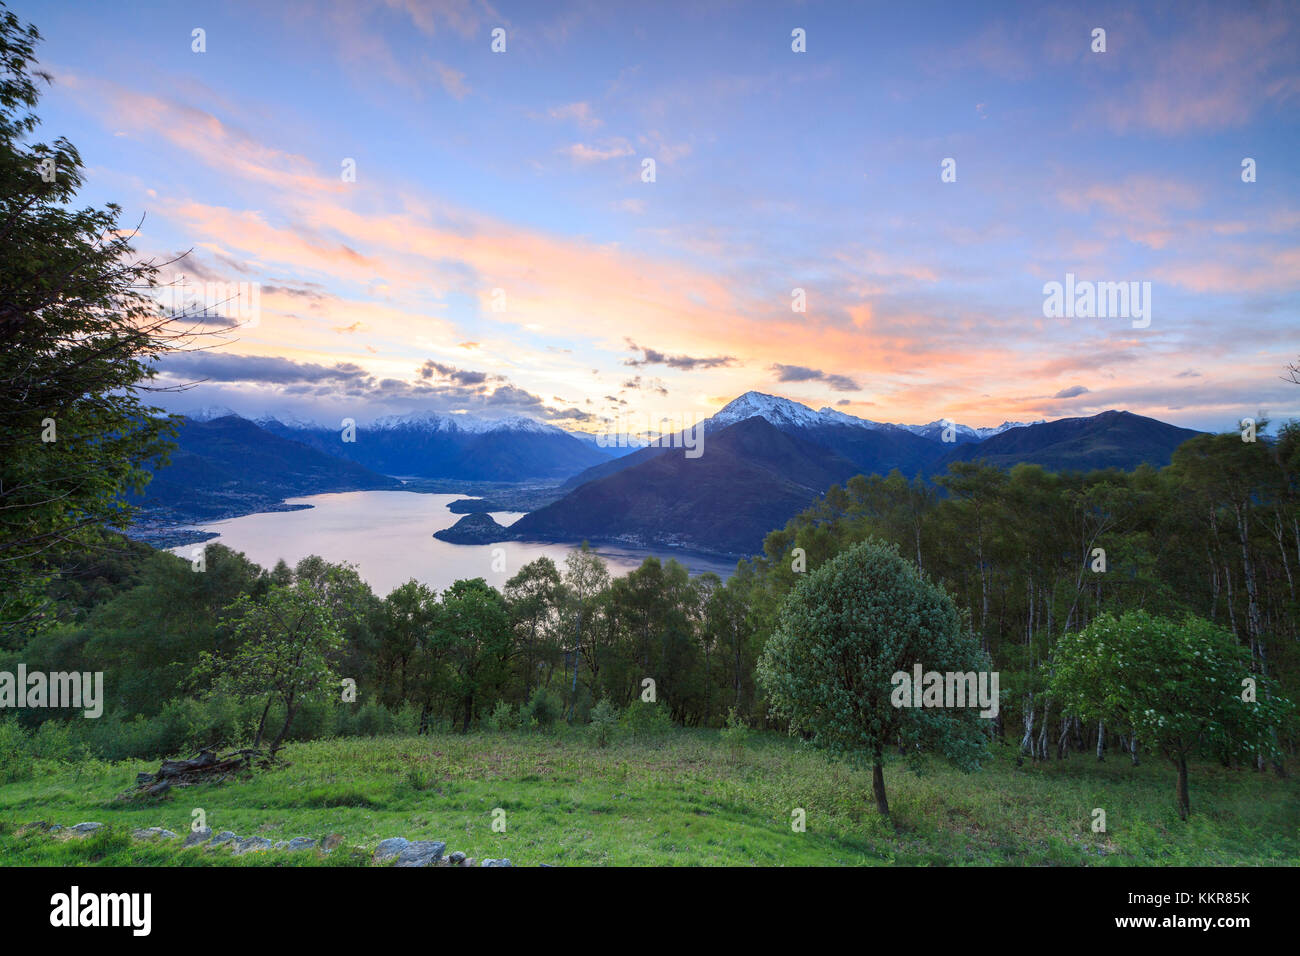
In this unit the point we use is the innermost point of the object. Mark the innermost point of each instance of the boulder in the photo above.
(496, 863)
(225, 836)
(251, 845)
(195, 837)
(85, 829)
(404, 852)
(154, 833)
(301, 843)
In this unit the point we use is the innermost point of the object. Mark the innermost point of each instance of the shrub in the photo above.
(641, 719)
(544, 709)
(736, 734)
(15, 755)
(604, 722)
(503, 716)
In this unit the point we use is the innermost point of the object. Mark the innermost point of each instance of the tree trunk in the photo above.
(261, 724)
(1184, 803)
(1101, 741)
(469, 714)
(878, 786)
(290, 710)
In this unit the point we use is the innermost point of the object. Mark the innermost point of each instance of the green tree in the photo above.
(287, 646)
(474, 629)
(78, 335)
(1177, 686)
(841, 636)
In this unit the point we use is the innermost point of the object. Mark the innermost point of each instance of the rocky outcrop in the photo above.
(476, 528)
(394, 851)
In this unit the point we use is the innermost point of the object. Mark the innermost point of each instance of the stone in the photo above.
(404, 852)
(496, 863)
(154, 833)
(143, 778)
(225, 836)
(85, 829)
(457, 858)
(389, 848)
(195, 837)
(251, 845)
(332, 842)
(301, 843)
(280, 845)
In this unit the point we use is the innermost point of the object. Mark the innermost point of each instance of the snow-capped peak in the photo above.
(784, 413)
(433, 421)
(778, 411)
(210, 412)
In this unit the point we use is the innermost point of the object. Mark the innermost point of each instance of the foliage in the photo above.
(843, 633)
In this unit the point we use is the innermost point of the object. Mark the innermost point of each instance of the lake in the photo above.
(388, 535)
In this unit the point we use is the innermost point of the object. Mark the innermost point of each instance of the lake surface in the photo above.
(388, 535)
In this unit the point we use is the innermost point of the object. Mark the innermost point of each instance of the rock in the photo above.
(251, 845)
(457, 858)
(281, 845)
(85, 829)
(154, 833)
(496, 863)
(389, 848)
(225, 836)
(404, 852)
(143, 778)
(57, 827)
(332, 842)
(159, 788)
(195, 837)
(301, 843)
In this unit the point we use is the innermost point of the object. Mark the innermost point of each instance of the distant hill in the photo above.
(1111, 439)
(756, 473)
(453, 447)
(230, 466)
(751, 478)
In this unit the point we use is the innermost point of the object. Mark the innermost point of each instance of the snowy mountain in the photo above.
(784, 413)
(432, 445)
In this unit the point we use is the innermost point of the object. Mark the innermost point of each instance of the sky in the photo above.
(501, 252)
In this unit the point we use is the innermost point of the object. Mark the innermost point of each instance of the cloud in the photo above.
(800, 373)
(610, 149)
(686, 363)
(451, 373)
(1072, 392)
(580, 113)
(453, 81)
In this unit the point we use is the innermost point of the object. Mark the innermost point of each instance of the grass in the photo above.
(682, 799)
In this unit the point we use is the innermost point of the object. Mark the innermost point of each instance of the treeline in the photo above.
(1031, 556)
(233, 650)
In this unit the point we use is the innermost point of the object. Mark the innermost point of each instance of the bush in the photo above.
(15, 755)
(646, 720)
(736, 734)
(503, 716)
(54, 740)
(371, 719)
(544, 709)
(604, 722)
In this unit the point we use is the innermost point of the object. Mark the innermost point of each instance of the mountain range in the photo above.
(762, 459)
(766, 458)
(427, 445)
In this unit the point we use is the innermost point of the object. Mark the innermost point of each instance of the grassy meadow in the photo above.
(683, 798)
